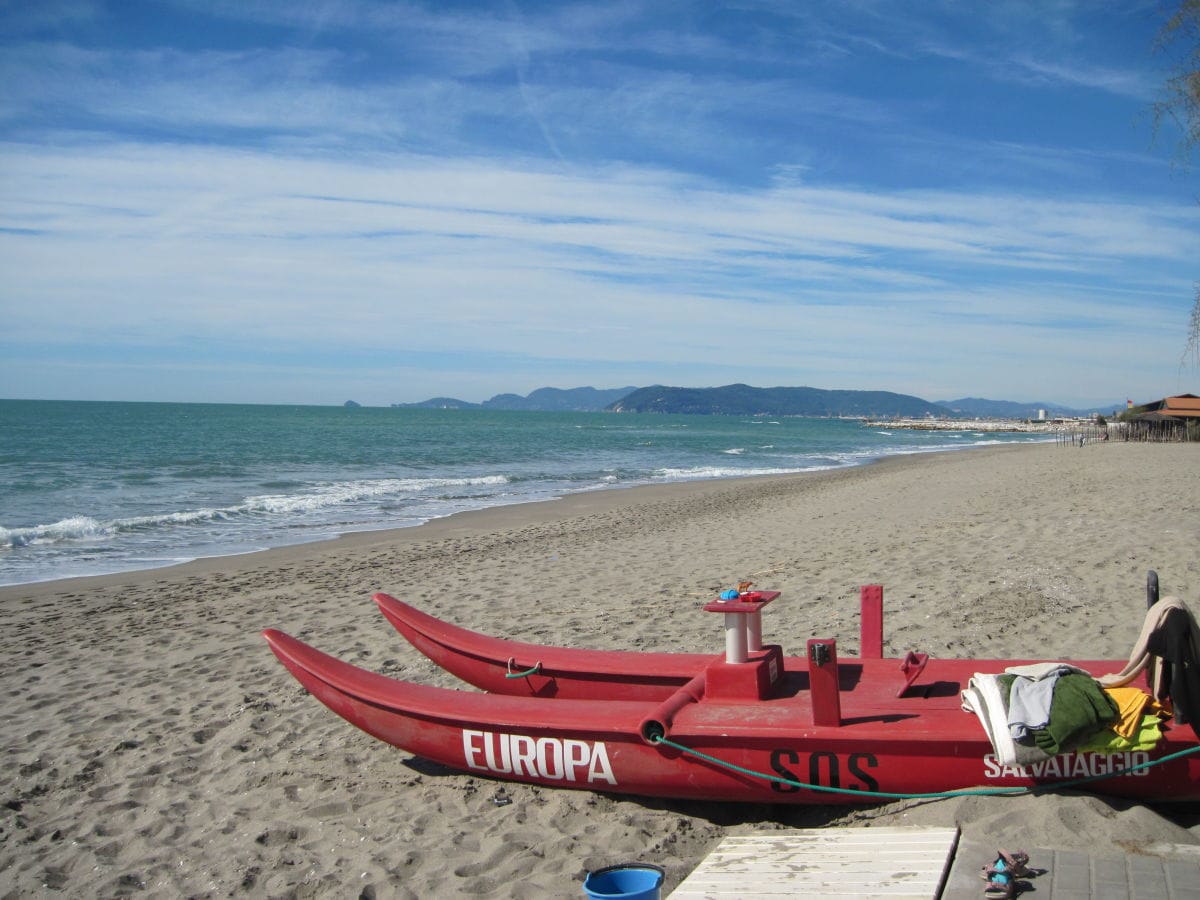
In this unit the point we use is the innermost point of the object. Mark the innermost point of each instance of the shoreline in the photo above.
(153, 742)
(430, 528)
(987, 426)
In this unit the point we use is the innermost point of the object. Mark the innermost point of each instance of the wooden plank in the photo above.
(888, 863)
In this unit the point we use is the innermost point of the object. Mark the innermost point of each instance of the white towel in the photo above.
(983, 697)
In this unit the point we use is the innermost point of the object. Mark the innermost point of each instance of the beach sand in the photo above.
(152, 745)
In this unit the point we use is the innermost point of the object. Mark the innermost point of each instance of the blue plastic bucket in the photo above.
(629, 881)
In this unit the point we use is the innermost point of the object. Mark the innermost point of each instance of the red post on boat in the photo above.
(823, 682)
(871, 622)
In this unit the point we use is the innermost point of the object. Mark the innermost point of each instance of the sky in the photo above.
(313, 201)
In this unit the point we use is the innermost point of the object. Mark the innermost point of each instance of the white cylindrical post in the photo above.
(735, 638)
(754, 631)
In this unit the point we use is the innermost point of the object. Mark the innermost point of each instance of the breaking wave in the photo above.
(318, 498)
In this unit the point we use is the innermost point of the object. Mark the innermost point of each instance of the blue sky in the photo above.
(308, 202)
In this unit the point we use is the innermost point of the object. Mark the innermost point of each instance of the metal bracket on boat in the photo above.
(912, 666)
(823, 682)
(512, 660)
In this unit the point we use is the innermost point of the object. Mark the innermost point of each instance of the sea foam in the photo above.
(323, 496)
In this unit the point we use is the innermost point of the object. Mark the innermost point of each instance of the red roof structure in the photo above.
(1183, 406)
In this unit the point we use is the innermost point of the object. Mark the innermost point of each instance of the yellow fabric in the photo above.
(1131, 705)
(1137, 726)
(1107, 741)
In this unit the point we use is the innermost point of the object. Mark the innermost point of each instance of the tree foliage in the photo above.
(1180, 104)
(1192, 350)
(1180, 101)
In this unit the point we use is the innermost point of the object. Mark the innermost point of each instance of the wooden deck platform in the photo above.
(828, 862)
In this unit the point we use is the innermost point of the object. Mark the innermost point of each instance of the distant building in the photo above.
(1185, 407)
(1168, 419)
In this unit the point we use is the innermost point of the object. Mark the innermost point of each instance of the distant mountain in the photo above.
(438, 403)
(977, 408)
(743, 400)
(584, 399)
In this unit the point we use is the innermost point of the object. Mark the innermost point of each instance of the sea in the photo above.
(90, 488)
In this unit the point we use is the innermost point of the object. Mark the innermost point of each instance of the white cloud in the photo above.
(622, 266)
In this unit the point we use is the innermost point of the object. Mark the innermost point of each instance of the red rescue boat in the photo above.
(535, 670)
(750, 726)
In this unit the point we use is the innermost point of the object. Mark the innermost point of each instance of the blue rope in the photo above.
(964, 792)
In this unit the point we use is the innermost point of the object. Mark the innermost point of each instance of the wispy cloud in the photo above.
(423, 257)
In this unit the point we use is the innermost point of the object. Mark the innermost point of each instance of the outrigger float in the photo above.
(749, 726)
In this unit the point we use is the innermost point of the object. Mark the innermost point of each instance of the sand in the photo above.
(152, 744)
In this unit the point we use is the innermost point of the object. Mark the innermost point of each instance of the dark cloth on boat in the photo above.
(1080, 708)
(1174, 642)
(1169, 645)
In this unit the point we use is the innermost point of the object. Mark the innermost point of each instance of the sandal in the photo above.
(1016, 864)
(1001, 876)
(1001, 887)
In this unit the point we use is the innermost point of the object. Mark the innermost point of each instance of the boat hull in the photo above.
(883, 745)
(487, 662)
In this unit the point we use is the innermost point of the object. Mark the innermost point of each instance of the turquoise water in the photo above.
(94, 488)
